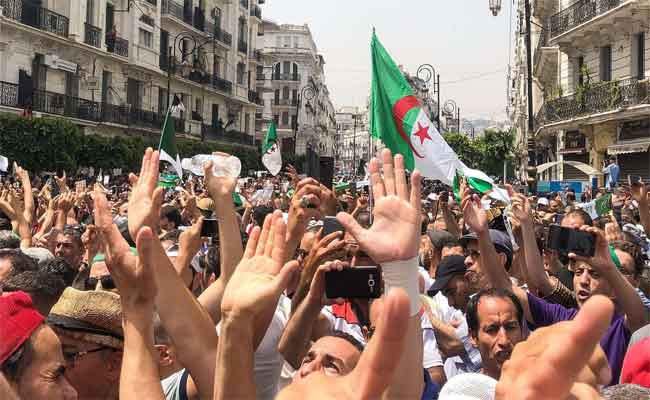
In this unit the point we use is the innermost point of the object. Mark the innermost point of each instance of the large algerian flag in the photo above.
(399, 121)
(271, 156)
(167, 146)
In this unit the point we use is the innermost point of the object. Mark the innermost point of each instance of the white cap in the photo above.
(469, 386)
(542, 201)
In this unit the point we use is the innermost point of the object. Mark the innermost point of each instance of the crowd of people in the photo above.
(216, 288)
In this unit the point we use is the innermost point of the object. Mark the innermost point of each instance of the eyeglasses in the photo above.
(72, 357)
(106, 280)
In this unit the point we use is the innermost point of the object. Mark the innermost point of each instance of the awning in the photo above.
(585, 168)
(579, 150)
(628, 147)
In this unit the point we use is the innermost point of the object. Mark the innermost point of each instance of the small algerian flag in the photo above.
(271, 156)
(598, 207)
(481, 183)
(399, 121)
(168, 181)
(167, 147)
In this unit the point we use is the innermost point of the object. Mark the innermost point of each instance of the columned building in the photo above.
(111, 66)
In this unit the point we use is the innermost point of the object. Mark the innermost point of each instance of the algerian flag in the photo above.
(271, 158)
(481, 183)
(598, 207)
(167, 147)
(399, 121)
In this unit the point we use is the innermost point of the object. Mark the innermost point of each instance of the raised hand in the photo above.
(261, 276)
(146, 198)
(220, 188)
(602, 259)
(316, 293)
(7, 203)
(473, 213)
(568, 359)
(394, 234)
(62, 182)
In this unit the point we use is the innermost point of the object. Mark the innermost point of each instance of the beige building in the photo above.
(296, 95)
(591, 99)
(107, 65)
(353, 139)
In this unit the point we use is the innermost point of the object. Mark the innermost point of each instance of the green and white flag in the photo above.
(167, 146)
(399, 121)
(481, 183)
(598, 207)
(271, 156)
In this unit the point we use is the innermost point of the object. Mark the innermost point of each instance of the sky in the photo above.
(466, 45)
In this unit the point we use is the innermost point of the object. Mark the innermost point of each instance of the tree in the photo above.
(464, 147)
(496, 147)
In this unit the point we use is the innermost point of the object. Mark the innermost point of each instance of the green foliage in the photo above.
(487, 152)
(48, 144)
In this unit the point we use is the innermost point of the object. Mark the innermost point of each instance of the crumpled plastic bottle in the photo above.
(229, 166)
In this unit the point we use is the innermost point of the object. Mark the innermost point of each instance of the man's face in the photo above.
(572, 221)
(91, 369)
(498, 332)
(474, 275)
(44, 376)
(588, 282)
(165, 224)
(627, 268)
(554, 206)
(457, 292)
(69, 249)
(100, 275)
(330, 355)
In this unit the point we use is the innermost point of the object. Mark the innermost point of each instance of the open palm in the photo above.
(145, 201)
(218, 187)
(394, 234)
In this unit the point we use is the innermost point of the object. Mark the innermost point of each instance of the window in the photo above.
(296, 41)
(580, 64)
(247, 122)
(287, 41)
(606, 63)
(294, 95)
(90, 12)
(285, 118)
(294, 121)
(198, 103)
(286, 67)
(285, 92)
(276, 119)
(146, 38)
(241, 73)
(638, 56)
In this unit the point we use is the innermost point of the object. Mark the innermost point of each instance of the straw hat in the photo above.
(92, 316)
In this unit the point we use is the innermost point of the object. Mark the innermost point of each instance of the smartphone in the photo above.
(634, 180)
(210, 228)
(353, 283)
(331, 225)
(567, 240)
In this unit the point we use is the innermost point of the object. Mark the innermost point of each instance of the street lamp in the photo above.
(307, 92)
(450, 110)
(495, 7)
(469, 128)
(426, 73)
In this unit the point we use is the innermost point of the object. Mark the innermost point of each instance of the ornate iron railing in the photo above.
(286, 77)
(93, 35)
(199, 76)
(223, 36)
(242, 47)
(256, 11)
(257, 55)
(254, 97)
(261, 77)
(9, 94)
(222, 84)
(33, 15)
(601, 97)
(579, 13)
(285, 102)
(210, 132)
(117, 45)
(170, 7)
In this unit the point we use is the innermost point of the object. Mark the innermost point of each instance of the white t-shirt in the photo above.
(441, 310)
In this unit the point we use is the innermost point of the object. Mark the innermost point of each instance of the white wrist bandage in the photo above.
(404, 274)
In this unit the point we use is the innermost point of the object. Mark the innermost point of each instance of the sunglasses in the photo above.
(106, 280)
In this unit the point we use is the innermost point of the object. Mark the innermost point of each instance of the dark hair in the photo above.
(448, 243)
(174, 216)
(8, 240)
(173, 236)
(472, 307)
(580, 213)
(20, 261)
(260, 213)
(14, 366)
(59, 267)
(634, 251)
(44, 289)
(348, 338)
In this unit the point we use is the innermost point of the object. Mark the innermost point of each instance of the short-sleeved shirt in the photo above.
(175, 386)
(614, 342)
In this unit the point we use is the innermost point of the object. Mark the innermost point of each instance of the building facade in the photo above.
(111, 66)
(590, 96)
(293, 81)
(353, 139)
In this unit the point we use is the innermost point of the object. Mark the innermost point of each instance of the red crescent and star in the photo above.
(422, 133)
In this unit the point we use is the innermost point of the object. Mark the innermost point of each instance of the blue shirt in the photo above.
(612, 171)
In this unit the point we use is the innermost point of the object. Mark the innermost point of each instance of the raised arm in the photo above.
(305, 205)
(640, 194)
(450, 220)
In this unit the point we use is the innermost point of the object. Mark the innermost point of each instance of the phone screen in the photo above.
(351, 283)
(210, 228)
(331, 225)
(567, 240)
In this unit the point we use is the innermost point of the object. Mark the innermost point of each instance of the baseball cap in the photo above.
(542, 201)
(500, 240)
(470, 386)
(19, 320)
(440, 237)
(449, 267)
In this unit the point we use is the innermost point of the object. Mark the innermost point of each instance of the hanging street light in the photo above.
(495, 7)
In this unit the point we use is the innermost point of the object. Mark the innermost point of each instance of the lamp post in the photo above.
(495, 7)
(426, 72)
(469, 128)
(451, 110)
(307, 92)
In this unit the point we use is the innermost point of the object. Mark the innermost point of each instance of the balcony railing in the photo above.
(242, 46)
(257, 55)
(254, 97)
(579, 13)
(243, 3)
(33, 15)
(222, 36)
(211, 132)
(178, 11)
(199, 76)
(285, 102)
(222, 84)
(541, 42)
(261, 77)
(117, 45)
(602, 97)
(93, 35)
(285, 77)
(256, 11)
(199, 19)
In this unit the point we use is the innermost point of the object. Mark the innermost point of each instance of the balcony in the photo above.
(117, 45)
(244, 3)
(153, 2)
(254, 97)
(93, 36)
(600, 98)
(222, 36)
(256, 11)
(285, 77)
(579, 13)
(261, 77)
(545, 57)
(285, 102)
(242, 47)
(38, 17)
(178, 11)
(199, 76)
(257, 56)
(222, 84)
(210, 132)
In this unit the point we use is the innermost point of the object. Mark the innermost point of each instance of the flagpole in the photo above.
(370, 198)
